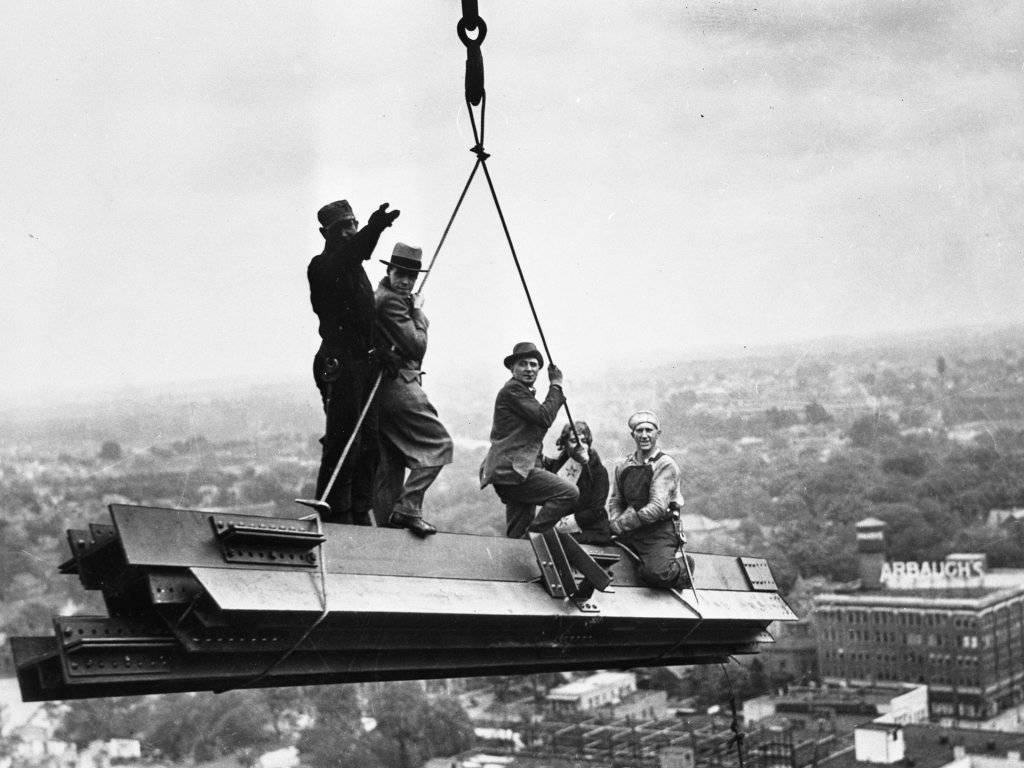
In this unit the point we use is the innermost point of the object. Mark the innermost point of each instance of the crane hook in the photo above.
(474, 59)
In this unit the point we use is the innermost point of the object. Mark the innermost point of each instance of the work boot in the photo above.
(414, 523)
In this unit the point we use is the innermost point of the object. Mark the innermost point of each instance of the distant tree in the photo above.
(922, 531)
(111, 451)
(263, 487)
(940, 365)
(337, 738)
(85, 720)
(411, 728)
(914, 416)
(816, 413)
(907, 462)
(867, 430)
(201, 727)
(780, 418)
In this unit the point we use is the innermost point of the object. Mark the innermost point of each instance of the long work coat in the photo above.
(408, 420)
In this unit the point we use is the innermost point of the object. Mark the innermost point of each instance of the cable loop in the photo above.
(464, 26)
(474, 59)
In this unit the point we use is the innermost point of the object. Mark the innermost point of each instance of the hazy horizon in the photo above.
(675, 179)
(929, 343)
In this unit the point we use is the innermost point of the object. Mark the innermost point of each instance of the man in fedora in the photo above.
(411, 435)
(643, 504)
(513, 464)
(342, 299)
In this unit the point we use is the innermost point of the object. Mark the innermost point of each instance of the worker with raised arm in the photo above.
(514, 462)
(342, 299)
(642, 506)
(411, 435)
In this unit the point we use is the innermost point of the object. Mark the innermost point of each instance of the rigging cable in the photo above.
(476, 95)
(737, 734)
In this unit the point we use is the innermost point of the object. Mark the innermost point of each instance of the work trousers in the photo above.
(657, 545)
(343, 399)
(556, 494)
(394, 491)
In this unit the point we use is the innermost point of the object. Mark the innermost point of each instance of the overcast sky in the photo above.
(674, 176)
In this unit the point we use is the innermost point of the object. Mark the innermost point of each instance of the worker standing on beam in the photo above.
(514, 462)
(643, 505)
(411, 435)
(342, 299)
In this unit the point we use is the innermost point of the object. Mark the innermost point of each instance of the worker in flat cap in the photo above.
(412, 437)
(643, 506)
(514, 462)
(343, 367)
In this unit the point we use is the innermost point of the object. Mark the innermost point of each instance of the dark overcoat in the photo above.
(408, 420)
(342, 296)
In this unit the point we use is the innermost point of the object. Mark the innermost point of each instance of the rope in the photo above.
(737, 735)
(351, 439)
(482, 156)
(324, 610)
(451, 220)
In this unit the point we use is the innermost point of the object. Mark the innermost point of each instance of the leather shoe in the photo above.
(417, 525)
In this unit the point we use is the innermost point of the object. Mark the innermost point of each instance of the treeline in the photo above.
(798, 506)
(326, 723)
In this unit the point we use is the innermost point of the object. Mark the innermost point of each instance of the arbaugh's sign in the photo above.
(945, 569)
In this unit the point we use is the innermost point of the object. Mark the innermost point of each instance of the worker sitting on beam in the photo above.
(643, 503)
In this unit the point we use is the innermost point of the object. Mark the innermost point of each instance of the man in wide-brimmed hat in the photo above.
(342, 298)
(513, 464)
(643, 503)
(411, 435)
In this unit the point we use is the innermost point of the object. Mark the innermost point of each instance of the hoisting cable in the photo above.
(430, 266)
(737, 734)
(477, 95)
(321, 505)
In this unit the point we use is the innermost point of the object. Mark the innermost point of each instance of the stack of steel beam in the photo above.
(212, 601)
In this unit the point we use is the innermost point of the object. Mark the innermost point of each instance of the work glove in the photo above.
(382, 218)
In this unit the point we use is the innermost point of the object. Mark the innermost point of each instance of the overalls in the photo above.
(656, 544)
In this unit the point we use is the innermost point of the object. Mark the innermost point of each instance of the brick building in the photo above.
(954, 625)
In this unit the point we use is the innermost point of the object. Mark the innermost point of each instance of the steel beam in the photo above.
(201, 601)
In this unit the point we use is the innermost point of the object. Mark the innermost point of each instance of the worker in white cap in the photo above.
(643, 506)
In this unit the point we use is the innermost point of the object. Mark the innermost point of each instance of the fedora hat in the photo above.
(406, 257)
(524, 349)
(336, 211)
